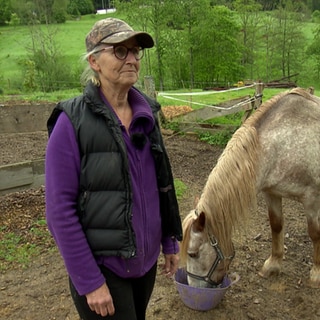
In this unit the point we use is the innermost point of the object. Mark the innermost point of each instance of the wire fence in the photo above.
(173, 96)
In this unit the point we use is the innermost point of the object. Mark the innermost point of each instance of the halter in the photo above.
(220, 257)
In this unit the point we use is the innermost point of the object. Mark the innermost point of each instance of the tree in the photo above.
(315, 5)
(290, 39)
(217, 52)
(250, 18)
(59, 11)
(191, 12)
(268, 49)
(195, 41)
(24, 10)
(40, 11)
(43, 10)
(103, 4)
(150, 16)
(268, 5)
(313, 51)
(5, 11)
(83, 6)
(45, 68)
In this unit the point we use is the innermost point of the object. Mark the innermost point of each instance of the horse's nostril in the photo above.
(193, 254)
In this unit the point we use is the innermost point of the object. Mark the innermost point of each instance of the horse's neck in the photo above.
(231, 186)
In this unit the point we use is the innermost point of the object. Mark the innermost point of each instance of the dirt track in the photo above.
(41, 292)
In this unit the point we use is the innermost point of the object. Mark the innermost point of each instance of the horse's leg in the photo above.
(272, 265)
(313, 217)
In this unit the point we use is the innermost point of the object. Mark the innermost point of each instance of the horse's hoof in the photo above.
(271, 267)
(262, 275)
(268, 272)
(314, 278)
(267, 275)
(314, 284)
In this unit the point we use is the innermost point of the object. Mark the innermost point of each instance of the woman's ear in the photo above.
(93, 62)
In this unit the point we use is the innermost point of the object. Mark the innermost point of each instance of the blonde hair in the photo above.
(89, 74)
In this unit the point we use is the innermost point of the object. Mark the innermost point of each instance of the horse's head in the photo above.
(205, 261)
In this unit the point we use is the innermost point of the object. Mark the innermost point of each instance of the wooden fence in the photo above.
(32, 118)
(193, 121)
(20, 118)
(21, 176)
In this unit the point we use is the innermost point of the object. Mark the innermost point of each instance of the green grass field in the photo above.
(70, 40)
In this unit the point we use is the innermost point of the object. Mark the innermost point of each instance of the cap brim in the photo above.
(144, 39)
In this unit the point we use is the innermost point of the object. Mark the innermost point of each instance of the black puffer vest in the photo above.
(104, 198)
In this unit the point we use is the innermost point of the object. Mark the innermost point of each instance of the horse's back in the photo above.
(289, 135)
(297, 108)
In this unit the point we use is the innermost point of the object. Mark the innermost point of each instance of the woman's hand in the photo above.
(100, 301)
(171, 263)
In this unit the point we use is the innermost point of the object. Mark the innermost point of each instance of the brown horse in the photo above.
(276, 152)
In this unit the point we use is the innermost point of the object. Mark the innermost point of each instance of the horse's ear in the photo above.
(200, 222)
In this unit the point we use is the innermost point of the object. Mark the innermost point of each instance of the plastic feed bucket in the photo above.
(201, 299)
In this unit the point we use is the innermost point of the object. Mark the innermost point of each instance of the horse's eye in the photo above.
(193, 255)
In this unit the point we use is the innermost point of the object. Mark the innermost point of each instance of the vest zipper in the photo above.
(83, 203)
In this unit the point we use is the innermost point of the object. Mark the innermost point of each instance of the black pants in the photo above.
(130, 296)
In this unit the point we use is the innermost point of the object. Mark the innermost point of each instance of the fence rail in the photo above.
(21, 176)
(32, 118)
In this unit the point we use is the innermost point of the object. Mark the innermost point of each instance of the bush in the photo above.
(80, 6)
(316, 16)
(15, 20)
(29, 82)
(59, 16)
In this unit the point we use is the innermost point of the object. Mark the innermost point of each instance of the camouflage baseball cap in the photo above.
(113, 31)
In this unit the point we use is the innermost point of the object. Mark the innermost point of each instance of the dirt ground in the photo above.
(40, 291)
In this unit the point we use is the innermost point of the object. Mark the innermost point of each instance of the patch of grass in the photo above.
(17, 249)
(230, 119)
(172, 125)
(14, 251)
(180, 187)
(220, 138)
(53, 97)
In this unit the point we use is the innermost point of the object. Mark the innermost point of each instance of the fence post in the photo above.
(149, 87)
(151, 92)
(311, 90)
(256, 101)
(258, 95)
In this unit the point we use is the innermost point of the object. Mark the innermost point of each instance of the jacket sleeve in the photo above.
(170, 245)
(62, 167)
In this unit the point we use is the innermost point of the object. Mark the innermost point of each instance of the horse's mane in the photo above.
(230, 190)
(186, 226)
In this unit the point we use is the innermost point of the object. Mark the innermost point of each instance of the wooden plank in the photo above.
(38, 167)
(19, 174)
(24, 117)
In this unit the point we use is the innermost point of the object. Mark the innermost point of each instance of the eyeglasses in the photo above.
(121, 52)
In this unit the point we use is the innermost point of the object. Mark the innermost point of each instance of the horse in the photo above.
(276, 152)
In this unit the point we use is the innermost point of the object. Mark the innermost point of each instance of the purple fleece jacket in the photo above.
(62, 185)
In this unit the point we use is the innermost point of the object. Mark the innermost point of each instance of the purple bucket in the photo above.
(201, 299)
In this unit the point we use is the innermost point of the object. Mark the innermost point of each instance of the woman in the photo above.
(110, 198)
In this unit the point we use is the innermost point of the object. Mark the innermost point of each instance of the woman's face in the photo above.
(113, 71)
